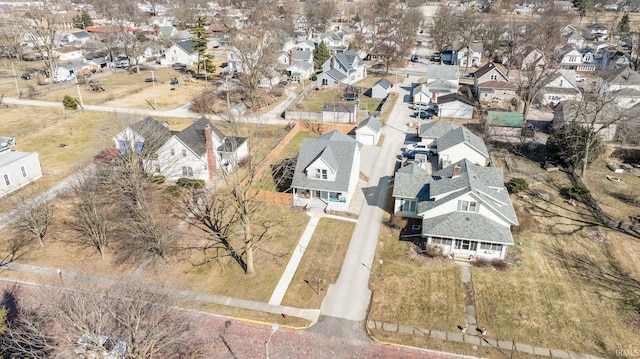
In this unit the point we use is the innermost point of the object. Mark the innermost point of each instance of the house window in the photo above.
(24, 171)
(466, 245)
(408, 205)
(494, 77)
(6, 180)
(321, 173)
(173, 152)
(187, 171)
(467, 206)
(491, 247)
(184, 152)
(441, 241)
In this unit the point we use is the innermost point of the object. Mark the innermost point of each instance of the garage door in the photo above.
(366, 139)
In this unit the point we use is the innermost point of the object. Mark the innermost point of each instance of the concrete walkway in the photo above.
(506, 347)
(64, 277)
(469, 297)
(294, 261)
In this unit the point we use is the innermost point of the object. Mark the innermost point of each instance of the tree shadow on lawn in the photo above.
(606, 279)
(574, 225)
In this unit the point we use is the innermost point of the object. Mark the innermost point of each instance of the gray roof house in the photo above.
(368, 131)
(348, 64)
(17, 169)
(430, 132)
(381, 88)
(460, 143)
(196, 152)
(326, 173)
(465, 208)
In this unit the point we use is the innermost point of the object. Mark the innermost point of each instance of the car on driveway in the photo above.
(414, 58)
(423, 115)
(106, 155)
(151, 79)
(25, 76)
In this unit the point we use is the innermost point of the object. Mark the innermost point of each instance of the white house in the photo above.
(562, 86)
(420, 94)
(492, 85)
(464, 208)
(460, 143)
(181, 53)
(596, 32)
(572, 59)
(442, 80)
(17, 169)
(342, 68)
(455, 106)
(430, 133)
(198, 151)
(327, 172)
(381, 88)
(470, 56)
(69, 53)
(582, 113)
(300, 71)
(368, 131)
(78, 38)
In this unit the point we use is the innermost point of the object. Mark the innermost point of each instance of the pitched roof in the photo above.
(386, 84)
(497, 85)
(487, 68)
(466, 225)
(446, 72)
(349, 58)
(622, 76)
(441, 84)
(337, 150)
(418, 89)
(462, 135)
(455, 97)
(151, 129)
(194, 137)
(371, 122)
(336, 74)
(505, 119)
(436, 129)
(409, 181)
(187, 46)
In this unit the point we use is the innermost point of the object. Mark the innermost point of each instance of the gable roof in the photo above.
(334, 148)
(371, 122)
(419, 88)
(622, 76)
(151, 129)
(194, 137)
(505, 119)
(452, 97)
(462, 135)
(436, 129)
(497, 85)
(335, 74)
(349, 59)
(384, 83)
(441, 84)
(446, 72)
(187, 46)
(489, 66)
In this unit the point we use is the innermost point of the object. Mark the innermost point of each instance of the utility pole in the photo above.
(153, 81)
(79, 93)
(15, 78)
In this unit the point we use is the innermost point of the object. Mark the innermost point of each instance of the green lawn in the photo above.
(316, 99)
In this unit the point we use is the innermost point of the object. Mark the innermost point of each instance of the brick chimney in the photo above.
(457, 171)
(211, 159)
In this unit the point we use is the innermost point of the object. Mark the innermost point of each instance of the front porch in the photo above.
(468, 249)
(320, 200)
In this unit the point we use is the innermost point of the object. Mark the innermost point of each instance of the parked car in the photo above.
(420, 106)
(151, 79)
(414, 58)
(178, 65)
(25, 76)
(435, 58)
(106, 155)
(423, 115)
(350, 97)
(417, 147)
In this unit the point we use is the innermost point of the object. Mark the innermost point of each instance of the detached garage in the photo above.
(455, 106)
(368, 131)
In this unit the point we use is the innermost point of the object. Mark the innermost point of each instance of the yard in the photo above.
(572, 284)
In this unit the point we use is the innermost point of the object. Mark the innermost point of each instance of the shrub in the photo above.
(433, 251)
(500, 264)
(190, 182)
(314, 77)
(397, 222)
(481, 262)
(575, 191)
(516, 185)
(276, 92)
(69, 103)
(159, 179)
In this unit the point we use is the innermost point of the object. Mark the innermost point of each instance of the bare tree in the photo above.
(92, 212)
(531, 79)
(318, 14)
(125, 320)
(33, 215)
(11, 39)
(257, 52)
(42, 26)
(444, 28)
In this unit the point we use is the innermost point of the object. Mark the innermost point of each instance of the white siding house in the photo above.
(368, 131)
(455, 106)
(17, 169)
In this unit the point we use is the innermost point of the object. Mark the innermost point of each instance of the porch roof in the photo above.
(466, 225)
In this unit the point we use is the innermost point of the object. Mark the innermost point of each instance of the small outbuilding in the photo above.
(455, 106)
(381, 88)
(505, 123)
(368, 131)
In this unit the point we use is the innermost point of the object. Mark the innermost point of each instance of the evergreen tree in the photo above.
(82, 20)
(201, 38)
(624, 23)
(321, 55)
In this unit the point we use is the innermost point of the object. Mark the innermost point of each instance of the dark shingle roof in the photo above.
(462, 135)
(436, 129)
(187, 46)
(154, 132)
(455, 97)
(337, 150)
